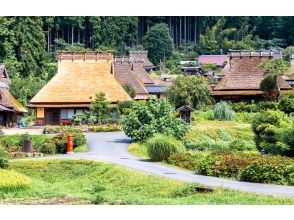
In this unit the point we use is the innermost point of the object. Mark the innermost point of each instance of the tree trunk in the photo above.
(185, 30)
(180, 37)
(72, 34)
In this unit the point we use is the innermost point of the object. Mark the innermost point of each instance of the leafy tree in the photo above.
(158, 42)
(155, 116)
(189, 90)
(287, 52)
(272, 68)
(276, 66)
(286, 103)
(130, 90)
(268, 127)
(99, 107)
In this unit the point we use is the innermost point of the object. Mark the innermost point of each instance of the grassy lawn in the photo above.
(87, 182)
(214, 129)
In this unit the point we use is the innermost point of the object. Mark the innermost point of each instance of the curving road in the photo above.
(113, 147)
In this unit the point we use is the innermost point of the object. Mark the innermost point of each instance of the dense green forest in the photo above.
(28, 44)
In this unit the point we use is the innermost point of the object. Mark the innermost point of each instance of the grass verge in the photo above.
(88, 182)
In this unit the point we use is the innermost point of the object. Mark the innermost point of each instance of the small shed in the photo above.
(185, 113)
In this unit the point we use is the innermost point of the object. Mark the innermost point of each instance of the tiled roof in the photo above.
(214, 59)
(79, 79)
(245, 74)
(155, 89)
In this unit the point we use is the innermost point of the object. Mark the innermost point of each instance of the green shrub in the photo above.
(11, 180)
(14, 142)
(48, 147)
(206, 143)
(4, 163)
(225, 164)
(222, 111)
(60, 140)
(160, 147)
(242, 145)
(203, 115)
(186, 160)
(267, 127)
(287, 136)
(286, 103)
(245, 117)
(124, 107)
(252, 107)
(270, 169)
(4, 153)
(154, 116)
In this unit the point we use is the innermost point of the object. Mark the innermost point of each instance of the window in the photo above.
(67, 113)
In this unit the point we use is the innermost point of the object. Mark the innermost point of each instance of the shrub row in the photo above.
(40, 143)
(254, 107)
(249, 167)
(80, 129)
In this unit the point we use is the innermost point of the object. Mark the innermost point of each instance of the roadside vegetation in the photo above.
(89, 182)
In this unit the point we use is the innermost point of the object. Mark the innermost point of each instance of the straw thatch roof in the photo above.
(7, 101)
(77, 80)
(125, 76)
(143, 56)
(10, 102)
(139, 69)
(244, 77)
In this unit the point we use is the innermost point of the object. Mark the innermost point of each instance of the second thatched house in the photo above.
(80, 76)
(10, 108)
(241, 80)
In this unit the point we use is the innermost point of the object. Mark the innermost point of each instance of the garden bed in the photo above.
(54, 129)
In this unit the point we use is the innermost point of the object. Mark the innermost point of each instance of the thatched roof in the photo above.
(245, 74)
(10, 102)
(79, 79)
(139, 69)
(4, 77)
(143, 56)
(125, 76)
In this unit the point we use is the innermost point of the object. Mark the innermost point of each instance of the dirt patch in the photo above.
(51, 201)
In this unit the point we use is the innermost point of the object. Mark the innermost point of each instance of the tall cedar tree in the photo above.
(158, 42)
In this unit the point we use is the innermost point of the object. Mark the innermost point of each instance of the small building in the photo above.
(80, 76)
(241, 80)
(191, 68)
(10, 108)
(185, 113)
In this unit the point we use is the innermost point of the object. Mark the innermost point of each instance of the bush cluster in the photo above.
(60, 141)
(268, 128)
(4, 163)
(286, 103)
(154, 116)
(223, 111)
(82, 128)
(186, 159)
(270, 169)
(40, 143)
(254, 107)
(160, 147)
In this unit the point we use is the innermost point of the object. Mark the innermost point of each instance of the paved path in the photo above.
(113, 147)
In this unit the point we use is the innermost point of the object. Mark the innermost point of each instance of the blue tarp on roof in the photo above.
(155, 89)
